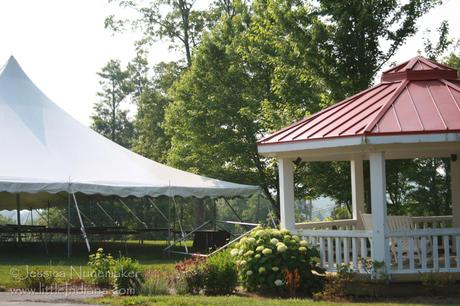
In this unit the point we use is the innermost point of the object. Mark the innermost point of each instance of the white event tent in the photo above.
(45, 152)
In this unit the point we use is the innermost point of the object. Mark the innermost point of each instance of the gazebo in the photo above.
(413, 112)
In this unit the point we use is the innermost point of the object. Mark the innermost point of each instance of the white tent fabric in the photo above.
(44, 150)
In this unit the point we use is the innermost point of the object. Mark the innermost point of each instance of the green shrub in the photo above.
(128, 276)
(275, 260)
(216, 275)
(156, 283)
(222, 276)
(101, 267)
(36, 279)
(192, 275)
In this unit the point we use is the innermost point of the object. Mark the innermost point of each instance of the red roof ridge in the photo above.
(385, 107)
(312, 116)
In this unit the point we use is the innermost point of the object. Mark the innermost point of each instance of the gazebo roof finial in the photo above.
(419, 68)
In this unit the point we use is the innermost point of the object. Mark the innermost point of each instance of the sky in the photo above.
(61, 44)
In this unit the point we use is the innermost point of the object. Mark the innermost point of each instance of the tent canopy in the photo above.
(46, 151)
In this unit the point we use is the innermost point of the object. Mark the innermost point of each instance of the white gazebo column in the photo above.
(455, 188)
(357, 190)
(286, 181)
(379, 208)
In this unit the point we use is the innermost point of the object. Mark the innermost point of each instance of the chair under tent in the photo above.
(49, 157)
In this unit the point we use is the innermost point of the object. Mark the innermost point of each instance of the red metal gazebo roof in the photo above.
(416, 97)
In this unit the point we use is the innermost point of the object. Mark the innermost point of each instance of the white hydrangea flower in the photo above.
(274, 241)
(279, 282)
(260, 248)
(262, 270)
(266, 251)
(281, 247)
(284, 232)
(275, 269)
(303, 243)
(249, 272)
(257, 256)
(234, 252)
(302, 249)
(249, 253)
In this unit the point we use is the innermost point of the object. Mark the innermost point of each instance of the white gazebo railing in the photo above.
(338, 247)
(427, 248)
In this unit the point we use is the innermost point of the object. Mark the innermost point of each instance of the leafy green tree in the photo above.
(431, 194)
(175, 20)
(348, 49)
(435, 51)
(110, 117)
(453, 60)
(270, 64)
(151, 142)
(138, 71)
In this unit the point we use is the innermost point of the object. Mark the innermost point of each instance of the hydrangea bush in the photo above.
(276, 260)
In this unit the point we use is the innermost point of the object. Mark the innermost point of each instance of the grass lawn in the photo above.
(14, 258)
(243, 301)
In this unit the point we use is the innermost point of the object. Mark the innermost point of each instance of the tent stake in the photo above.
(82, 228)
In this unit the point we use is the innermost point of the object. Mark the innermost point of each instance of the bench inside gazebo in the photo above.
(414, 112)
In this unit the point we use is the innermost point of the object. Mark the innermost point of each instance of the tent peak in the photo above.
(12, 68)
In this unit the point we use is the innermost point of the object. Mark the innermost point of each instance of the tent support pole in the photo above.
(48, 214)
(82, 228)
(115, 222)
(133, 214)
(68, 227)
(215, 213)
(18, 215)
(169, 222)
(158, 209)
(233, 210)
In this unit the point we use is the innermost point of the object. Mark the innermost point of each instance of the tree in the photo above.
(268, 65)
(435, 51)
(348, 49)
(175, 20)
(138, 71)
(152, 141)
(110, 118)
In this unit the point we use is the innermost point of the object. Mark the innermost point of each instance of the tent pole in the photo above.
(48, 214)
(82, 226)
(215, 214)
(68, 226)
(18, 215)
(258, 207)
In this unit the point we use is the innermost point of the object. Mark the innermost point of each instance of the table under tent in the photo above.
(49, 159)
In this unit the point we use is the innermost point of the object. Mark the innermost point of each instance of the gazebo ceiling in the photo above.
(416, 97)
